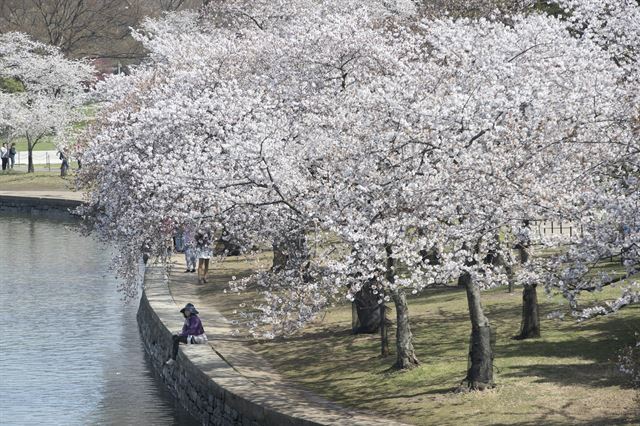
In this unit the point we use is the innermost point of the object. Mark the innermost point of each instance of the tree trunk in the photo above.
(366, 311)
(508, 269)
(431, 256)
(226, 245)
(530, 326)
(480, 372)
(406, 356)
(384, 331)
(279, 257)
(290, 252)
(30, 168)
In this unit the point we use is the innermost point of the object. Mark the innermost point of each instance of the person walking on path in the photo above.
(12, 155)
(192, 331)
(64, 167)
(190, 253)
(203, 240)
(4, 155)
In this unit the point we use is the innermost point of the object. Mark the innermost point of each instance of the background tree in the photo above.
(86, 28)
(389, 136)
(53, 89)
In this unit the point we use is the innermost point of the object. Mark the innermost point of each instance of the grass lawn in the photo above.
(46, 144)
(38, 181)
(566, 377)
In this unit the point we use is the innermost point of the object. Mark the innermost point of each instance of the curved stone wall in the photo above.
(38, 206)
(202, 381)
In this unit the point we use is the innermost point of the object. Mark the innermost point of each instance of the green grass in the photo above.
(22, 181)
(566, 377)
(46, 144)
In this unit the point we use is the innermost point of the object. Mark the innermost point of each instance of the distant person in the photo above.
(203, 247)
(64, 167)
(169, 248)
(178, 240)
(146, 252)
(192, 331)
(4, 155)
(12, 155)
(190, 252)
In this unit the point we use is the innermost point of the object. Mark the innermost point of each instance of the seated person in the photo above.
(192, 331)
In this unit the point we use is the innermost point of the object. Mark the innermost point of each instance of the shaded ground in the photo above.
(566, 377)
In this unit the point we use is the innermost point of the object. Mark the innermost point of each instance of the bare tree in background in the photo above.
(86, 28)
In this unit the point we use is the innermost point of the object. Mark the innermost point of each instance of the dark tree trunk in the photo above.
(530, 326)
(405, 356)
(460, 281)
(279, 257)
(290, 252)
(523, 253)
(431, 256)
(30, 168)
(508, 269)
(228, 246)
(497, 259)
(384, 331)
(366, 311)
(511, 279)
(480, 372)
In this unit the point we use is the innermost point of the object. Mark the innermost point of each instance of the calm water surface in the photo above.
(70, 351)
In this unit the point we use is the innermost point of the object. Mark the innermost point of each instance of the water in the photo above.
(70, 350)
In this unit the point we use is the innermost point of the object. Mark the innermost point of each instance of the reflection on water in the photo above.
(70, 351)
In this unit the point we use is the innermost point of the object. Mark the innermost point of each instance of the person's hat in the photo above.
(189, 307)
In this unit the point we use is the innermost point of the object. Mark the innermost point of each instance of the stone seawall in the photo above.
(38, 206)
(201, 380)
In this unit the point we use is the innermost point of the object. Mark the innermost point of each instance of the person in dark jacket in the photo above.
(12, 155)
(192, 331)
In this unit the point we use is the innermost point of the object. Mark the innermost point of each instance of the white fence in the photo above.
(39, 157)
(546, 228)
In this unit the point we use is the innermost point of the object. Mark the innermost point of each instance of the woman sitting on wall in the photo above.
(192, 331)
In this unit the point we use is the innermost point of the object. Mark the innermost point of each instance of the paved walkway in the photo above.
(237, 353)
(58, 195)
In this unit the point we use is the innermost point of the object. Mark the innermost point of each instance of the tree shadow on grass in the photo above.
(594, 340)
(591, 375)
(568, 419)
(386, 397)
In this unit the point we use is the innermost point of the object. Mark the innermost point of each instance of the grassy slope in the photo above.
(38, 181)
(566, 377)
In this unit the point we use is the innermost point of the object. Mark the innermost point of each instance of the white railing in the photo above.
(547, 227)
(49, 158)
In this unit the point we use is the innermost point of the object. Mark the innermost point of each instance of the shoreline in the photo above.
(203, 380)
(54, 204)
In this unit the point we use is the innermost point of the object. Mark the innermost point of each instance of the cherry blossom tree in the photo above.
(296, 124)
(53, 89)
(604, 204)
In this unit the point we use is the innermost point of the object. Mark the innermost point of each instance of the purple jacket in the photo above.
(192, 326)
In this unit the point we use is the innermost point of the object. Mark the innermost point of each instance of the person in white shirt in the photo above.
(4, 154)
